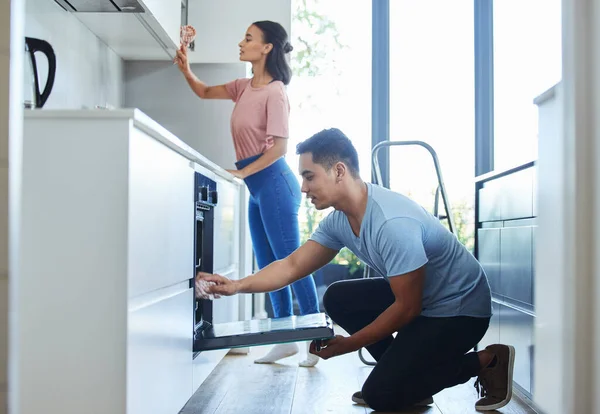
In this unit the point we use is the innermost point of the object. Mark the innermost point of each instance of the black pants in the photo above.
(427, 355)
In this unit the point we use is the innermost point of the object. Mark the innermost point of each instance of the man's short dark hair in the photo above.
(330, 146)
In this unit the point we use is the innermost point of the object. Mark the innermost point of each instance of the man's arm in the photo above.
(408, 291)
(308, 258)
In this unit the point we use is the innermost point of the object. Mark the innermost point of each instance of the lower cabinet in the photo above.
(516, 329)
(506, 255)
(489, 255)
(492, 336)
(516, 264)
(159, 356)
(505, 247)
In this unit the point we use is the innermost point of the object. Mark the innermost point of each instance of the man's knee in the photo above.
(374, 397)
(382, 393)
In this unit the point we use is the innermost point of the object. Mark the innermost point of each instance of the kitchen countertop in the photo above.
(500, 173)
(144, 123)
(546, 95)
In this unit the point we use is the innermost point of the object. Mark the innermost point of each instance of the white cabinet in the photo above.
(221, 25)
(168, 14)
(159, 363)
(161, 211)
(552, 274)
(106, 259)
(152, 35)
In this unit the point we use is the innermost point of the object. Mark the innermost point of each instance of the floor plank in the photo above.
(364, 373)
(209, 396)
(328, 387)
(238, 385)
(461, 399)
(260, 389)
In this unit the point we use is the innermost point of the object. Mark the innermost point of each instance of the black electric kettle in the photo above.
(33, 98)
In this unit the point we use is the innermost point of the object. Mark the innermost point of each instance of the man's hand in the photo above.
(338, 345)
(222, 285)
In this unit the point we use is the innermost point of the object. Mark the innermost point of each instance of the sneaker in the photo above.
(358, 399)
(425, 402)
(495, 382)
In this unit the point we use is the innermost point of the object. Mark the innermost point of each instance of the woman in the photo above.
(259, 126)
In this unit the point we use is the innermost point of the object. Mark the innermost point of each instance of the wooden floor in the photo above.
(238, 385)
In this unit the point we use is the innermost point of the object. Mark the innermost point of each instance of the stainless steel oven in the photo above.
(209, 336)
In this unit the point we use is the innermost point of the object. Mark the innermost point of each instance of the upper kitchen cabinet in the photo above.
(134, 29)
(221, 25)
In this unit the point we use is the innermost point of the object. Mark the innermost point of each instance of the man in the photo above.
(433, 292)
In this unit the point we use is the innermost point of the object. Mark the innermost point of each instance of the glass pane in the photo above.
(432, 100)
(330, 87)
(331, 62)
(527, 61)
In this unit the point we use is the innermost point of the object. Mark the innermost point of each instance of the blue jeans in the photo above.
(273, 218)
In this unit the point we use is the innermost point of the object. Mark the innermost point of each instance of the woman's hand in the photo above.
(222, 285)
(182, 59)
(336, 346)
(238, 173)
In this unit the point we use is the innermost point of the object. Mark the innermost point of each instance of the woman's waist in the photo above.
(250, 148)
(279, 165)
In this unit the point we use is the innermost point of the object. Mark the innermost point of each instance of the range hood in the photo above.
(134, 29)
(101, 6)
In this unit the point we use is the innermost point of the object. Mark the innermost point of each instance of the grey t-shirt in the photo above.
(398, 236)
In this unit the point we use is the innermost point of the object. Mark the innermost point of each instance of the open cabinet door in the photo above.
(256, 332)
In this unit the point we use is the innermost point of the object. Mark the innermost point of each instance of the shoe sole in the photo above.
(358, 401)
(511, 365)
(425, 403)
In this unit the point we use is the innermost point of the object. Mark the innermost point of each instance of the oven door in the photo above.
(210, 336)
(263, 332)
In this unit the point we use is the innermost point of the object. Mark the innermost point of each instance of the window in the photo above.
(432, 100)
(330, 87)
(331, 62)
(527, 61)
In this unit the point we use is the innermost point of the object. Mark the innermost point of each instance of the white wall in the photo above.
(222, 24)
(160, 90)
(88, 73)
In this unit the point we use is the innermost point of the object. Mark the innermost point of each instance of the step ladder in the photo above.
(440, 191)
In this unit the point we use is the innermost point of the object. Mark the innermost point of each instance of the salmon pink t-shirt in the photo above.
(259, 115)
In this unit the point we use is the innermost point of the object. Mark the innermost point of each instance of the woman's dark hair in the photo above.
(328, 147)
(277, 65)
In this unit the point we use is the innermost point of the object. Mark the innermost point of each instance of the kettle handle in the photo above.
(38, 45)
